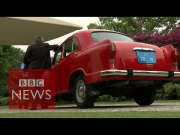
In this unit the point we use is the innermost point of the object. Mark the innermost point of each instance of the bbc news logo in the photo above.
(24, 94)
(24, 91)
(31, 82)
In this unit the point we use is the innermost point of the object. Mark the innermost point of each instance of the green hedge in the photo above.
(4, 101)
(172, 92)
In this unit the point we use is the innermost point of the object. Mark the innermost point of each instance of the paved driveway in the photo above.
(106, 108)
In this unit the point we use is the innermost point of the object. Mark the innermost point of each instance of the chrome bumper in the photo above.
(168, 74)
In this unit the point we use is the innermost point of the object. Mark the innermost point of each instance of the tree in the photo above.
(133, 25)
(10, 58)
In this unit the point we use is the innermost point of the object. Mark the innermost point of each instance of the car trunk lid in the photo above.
(141, 56)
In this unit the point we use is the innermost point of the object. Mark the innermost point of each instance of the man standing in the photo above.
(37, 56)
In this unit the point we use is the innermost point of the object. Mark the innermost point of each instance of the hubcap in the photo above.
(80, 91)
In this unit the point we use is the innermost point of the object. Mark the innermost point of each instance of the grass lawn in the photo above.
(129, 114)
(2, 107)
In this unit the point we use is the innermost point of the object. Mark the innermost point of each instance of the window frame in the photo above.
(72, 46)
(55, 55)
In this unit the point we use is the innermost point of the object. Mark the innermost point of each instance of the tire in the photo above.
(81, 96)
(145, 99)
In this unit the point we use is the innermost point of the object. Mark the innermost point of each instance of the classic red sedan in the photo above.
(95, 62)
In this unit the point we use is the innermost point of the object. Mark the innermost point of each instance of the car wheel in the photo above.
(145, 98)
(81, 96)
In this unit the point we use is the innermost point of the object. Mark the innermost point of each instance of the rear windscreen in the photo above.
(100, 36)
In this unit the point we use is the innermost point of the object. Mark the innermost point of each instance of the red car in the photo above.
(95, 62)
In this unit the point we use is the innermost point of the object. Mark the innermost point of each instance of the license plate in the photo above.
(146, 57)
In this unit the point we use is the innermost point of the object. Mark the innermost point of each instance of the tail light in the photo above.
(112, 50)
(175, 54)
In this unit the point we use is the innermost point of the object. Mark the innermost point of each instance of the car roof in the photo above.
(96, 30)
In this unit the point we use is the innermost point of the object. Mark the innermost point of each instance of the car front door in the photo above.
(64, 66)
(55, 65)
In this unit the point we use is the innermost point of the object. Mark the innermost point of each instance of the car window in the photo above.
(70, 46)
(57, 56)
(75, 44)
(100, 36)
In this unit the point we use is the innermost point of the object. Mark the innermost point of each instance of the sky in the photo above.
(82, 21)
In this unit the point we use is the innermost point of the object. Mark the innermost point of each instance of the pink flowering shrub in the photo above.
(165, 38)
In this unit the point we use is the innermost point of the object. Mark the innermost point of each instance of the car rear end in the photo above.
(142, 61)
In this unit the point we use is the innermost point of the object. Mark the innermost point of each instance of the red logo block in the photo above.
(31, 88)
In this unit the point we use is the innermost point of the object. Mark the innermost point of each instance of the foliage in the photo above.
(10, 58)
(160, 39)
(4, 89)
(115, 99)
(133, 25)
(4, 101)
(144, 29)
(172, 92)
